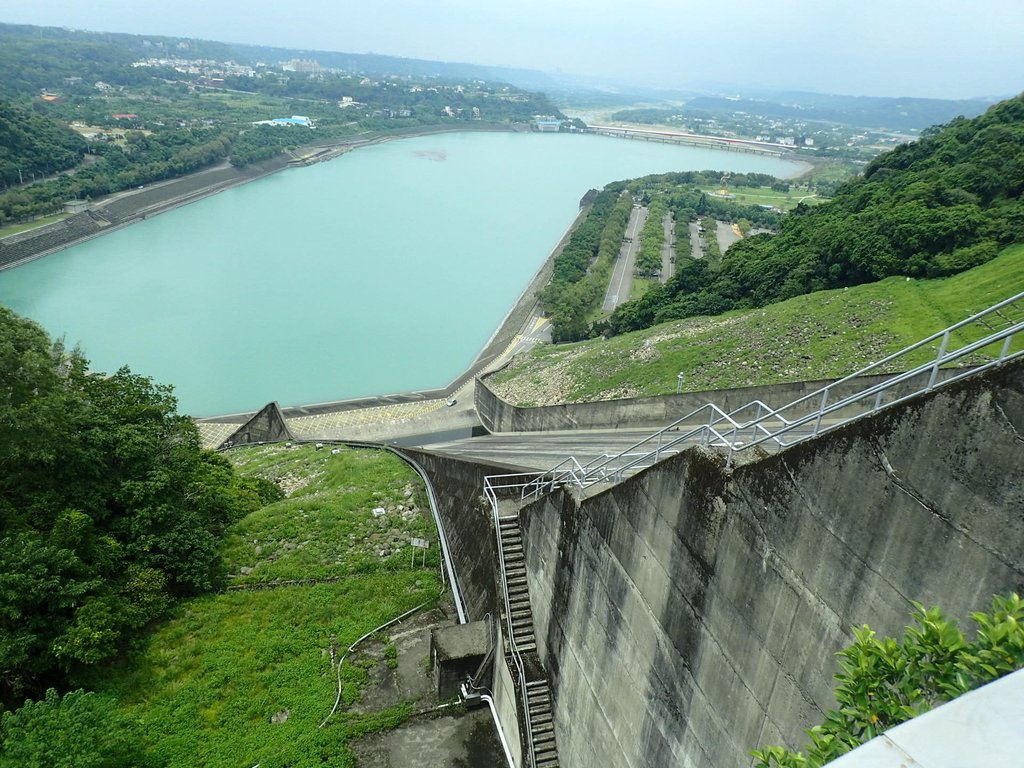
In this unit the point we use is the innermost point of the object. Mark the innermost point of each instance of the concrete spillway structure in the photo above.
(692, 612)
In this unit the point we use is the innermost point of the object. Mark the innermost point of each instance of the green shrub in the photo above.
(884, 682)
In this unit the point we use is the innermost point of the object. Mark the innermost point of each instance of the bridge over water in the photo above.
(691, 139)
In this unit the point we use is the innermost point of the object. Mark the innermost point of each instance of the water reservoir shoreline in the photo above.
(384, 272)
(113, 212)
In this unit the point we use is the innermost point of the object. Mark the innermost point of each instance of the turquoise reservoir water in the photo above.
(385, 270)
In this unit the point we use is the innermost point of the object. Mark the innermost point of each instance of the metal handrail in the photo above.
(728, 430)
(490, 490)
(877, 390)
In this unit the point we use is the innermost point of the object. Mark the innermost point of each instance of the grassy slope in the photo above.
(14, 229)
(822, 335)
(209, 679)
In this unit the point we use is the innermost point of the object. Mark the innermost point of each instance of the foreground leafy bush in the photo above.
(884, 682)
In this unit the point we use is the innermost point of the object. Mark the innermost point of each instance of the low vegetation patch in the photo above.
(883, 682)
(346, 513)
(247, 676)
(784, 196)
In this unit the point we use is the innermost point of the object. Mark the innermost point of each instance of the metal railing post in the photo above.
(821, 410)
(938, 360)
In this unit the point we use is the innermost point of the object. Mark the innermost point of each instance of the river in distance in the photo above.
(385, 270)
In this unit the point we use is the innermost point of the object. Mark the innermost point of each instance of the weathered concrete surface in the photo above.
(445, 737)
(691, 614)
(461, 741)
(267, 426)
(498, 415)
(456, 654)
(507, 703)
(467, 520)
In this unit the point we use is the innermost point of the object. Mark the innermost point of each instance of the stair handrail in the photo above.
(491, 492)
(931, 367)
(605, 466)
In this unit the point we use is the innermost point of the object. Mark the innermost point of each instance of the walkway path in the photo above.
(621, 285)
(695, 249)
(727, 235)
(668, 247)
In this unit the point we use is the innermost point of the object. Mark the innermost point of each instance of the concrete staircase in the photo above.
(542, 727)
(533, 684)
(515, 581)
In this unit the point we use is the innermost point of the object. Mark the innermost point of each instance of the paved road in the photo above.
(726, 235)
(668, 247)
(621, 284)
(695, 250)
(540, 450)
(544, 450)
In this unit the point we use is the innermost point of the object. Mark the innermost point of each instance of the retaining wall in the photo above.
(467, 519)
(127, 209)
(497, 415)
(690, 614)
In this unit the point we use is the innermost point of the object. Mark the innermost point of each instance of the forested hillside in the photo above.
(935, 207)
(31, 145)
(109, 510)
(582, 269)
(153, 108)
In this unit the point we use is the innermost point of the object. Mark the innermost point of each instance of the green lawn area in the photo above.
(767, 196)
(206, 683)
(822, 335)
(14, 229)
(642, 285)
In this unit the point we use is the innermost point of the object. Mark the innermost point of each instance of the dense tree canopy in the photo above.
(77, 730)
(582, 269)
(33, 145)
(935, 207)
(109, 508)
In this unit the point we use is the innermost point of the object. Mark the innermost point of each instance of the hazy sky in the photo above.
(939, 48)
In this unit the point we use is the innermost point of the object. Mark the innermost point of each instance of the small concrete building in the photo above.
(456, 654)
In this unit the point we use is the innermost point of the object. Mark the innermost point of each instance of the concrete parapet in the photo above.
(497, 415)
(267, 426)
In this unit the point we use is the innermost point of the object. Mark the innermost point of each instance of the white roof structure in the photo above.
(984, 727)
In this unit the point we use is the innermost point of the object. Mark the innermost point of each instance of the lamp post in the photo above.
(679, 382)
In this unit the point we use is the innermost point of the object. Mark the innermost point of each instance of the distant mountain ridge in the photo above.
(567, 86)
(91, 59)
(899, 114)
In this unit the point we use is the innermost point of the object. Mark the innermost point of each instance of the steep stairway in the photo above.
(532, 683)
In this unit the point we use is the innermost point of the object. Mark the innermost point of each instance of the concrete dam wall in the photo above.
(692, 613)
(466, 517)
